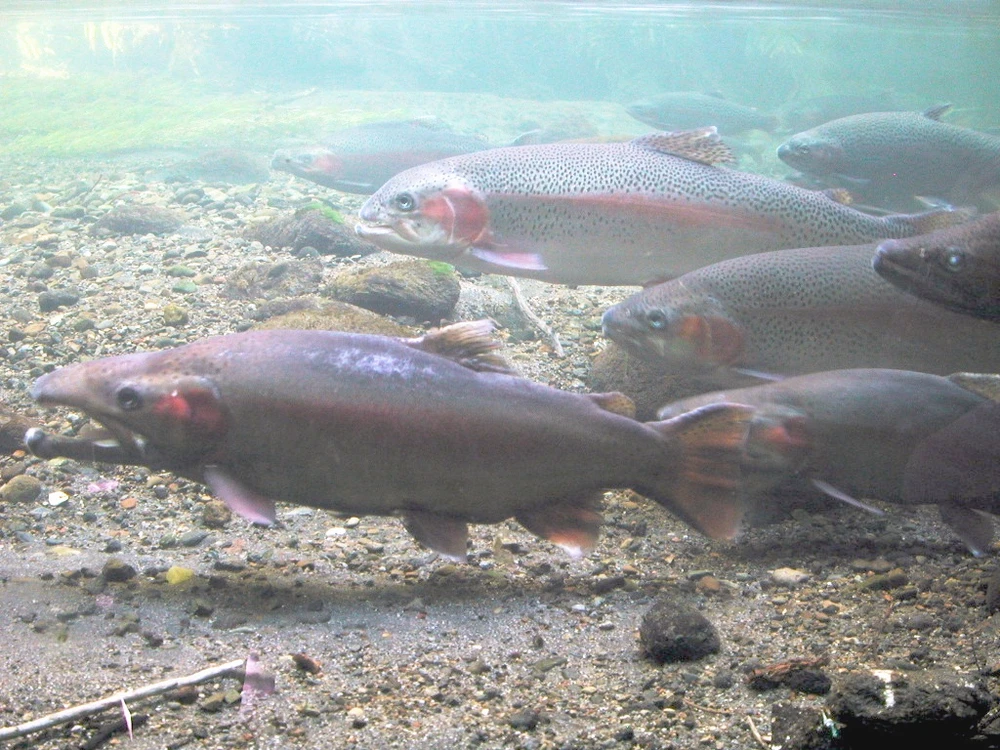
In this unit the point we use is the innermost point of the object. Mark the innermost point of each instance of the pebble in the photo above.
(789, 577)
(22, 488)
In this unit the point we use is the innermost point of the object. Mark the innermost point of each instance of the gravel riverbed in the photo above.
(520, 648)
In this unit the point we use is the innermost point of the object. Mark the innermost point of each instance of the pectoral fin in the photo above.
(445, 535)
(238, 498)
(973, 527)
(573, 525)
(828, 489)
(523, 261)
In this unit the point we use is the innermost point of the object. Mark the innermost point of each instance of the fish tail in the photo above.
(705, 484)
(930, 221)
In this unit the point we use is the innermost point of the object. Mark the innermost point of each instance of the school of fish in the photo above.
(848, 320)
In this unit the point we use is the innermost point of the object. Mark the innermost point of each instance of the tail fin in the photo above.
(928, 221)
(705, 487)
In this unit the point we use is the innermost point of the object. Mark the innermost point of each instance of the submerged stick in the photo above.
(231, 668)
(541, 325)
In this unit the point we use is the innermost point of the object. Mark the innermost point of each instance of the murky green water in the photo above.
(96, 77)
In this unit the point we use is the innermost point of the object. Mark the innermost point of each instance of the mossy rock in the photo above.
(338, 316)
(648, 385)
(420, 289)
(268, 281)
(138, 218)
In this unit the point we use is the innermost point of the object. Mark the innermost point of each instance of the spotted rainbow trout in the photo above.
(360, 158)
(892, 155)
(795, 311)
(437, 430)
(609, 213)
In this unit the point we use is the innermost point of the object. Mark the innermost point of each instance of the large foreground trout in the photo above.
(610, 213)
(436, 430)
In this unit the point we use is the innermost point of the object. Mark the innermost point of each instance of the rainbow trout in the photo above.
(609, 213)
(864, 433)
(895, 155)
(684, 110)
(958, 267)
(790, 312)
(435, 429)
(359, 159)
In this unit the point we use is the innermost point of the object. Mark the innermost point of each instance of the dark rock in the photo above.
(270, 280)
(427, 291)
(796, 727)
(930, 707)
(12, 429)
(525, 720)
(116, 569)
(51, 301)
(312, 229)
(138, 218)
(672, 631)
(215, 514)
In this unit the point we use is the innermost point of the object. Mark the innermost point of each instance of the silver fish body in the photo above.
(792, 312)
(865, 433)
(610, 213)
(889, 156)
(361, 158)
(685, 110)
(434, 429)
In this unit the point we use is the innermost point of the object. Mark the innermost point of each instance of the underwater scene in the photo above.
(479, 374)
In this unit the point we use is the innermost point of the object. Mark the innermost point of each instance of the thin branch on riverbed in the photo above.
(229, 669)
(531, 315)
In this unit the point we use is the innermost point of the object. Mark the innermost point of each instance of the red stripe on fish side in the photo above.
(681, 212)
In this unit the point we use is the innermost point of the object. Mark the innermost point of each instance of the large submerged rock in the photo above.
(424, 290)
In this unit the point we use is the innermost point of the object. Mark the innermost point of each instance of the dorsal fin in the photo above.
(839, 195)
(431, 122)
(702, 145)
(614, 402)
(937, 111)
(470, 343)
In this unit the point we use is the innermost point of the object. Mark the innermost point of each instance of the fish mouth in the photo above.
(120, 446)
(889, 263)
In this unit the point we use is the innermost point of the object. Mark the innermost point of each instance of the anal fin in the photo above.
(573, 525)
(445, 535)
(239, 499)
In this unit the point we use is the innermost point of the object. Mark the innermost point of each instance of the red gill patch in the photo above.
(197, 411)
(713, 339)
(462, 213)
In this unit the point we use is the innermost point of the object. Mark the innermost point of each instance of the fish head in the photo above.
(694, 336)
(426, 211)
(945, 268)
(148, 405)
(810, 152)
(316, 163)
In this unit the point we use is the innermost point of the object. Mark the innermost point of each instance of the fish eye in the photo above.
(953, 259)
(404, 202)
(128, 398)
(656, 319)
